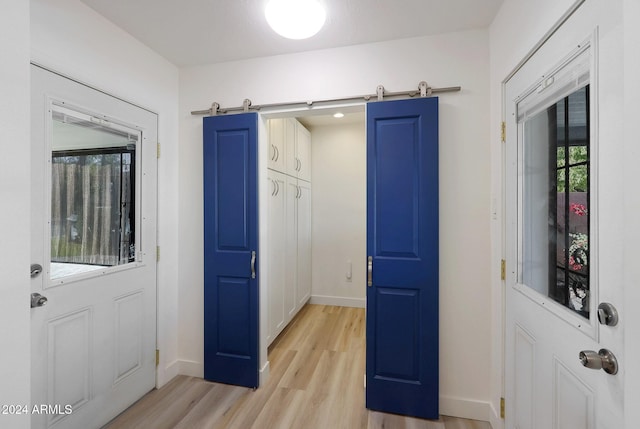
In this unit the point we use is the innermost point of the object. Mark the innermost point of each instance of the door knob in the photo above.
(607, 314)
(604, 359)
(38, 300)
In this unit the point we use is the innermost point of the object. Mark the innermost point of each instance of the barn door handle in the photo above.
(253, 264)
(370, 271)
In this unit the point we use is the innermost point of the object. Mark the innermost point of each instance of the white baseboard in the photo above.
(495, 420)
(264, 374)
(166, 375)
(338, 301)
(465, 408)
(191, 368)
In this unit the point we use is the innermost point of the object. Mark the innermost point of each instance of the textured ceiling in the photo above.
(195, 32)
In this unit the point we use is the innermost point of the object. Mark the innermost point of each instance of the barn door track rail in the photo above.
(424, 90)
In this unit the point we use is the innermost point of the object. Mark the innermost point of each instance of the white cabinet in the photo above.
(289, 223)
(280, 131)
(291, 250)
(290, 148)
(303, 230)
(298, 245)
(302, 153)
(276, 244)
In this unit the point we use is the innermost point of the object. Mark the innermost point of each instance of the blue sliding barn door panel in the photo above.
(402, 244)
(230, 240)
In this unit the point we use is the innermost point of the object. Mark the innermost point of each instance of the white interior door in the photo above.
(94, 236)
(563, 219)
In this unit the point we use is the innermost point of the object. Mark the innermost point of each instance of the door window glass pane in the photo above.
(93, 210)
(556, 200)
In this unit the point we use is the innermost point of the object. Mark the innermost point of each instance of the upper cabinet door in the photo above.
(290, 161)
(289, 148)
(303, 152)
(276, 152)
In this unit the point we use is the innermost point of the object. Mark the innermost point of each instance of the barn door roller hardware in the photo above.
(424, 90)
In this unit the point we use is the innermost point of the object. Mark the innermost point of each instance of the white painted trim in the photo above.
(338, 301)
(190, 368)
(167, 373)
(544, 39)
(465, 408)
(494, 418)
(264, 374)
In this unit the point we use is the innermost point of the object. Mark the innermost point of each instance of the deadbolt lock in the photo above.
(35, 270)
(607, 314)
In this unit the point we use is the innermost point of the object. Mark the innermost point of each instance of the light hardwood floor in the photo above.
(316, 381)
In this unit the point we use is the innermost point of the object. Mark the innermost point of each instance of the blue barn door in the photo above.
(402, 249)
(230, 245)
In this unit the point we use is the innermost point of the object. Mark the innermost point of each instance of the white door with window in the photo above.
(93, 239)
(564, 309)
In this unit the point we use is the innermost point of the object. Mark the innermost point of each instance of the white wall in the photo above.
(339, 213)
(444, 60)
(15, 185)
(69, 37)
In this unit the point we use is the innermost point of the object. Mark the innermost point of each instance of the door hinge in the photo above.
(503, 269)
(503, 132)
(157, 253)
(502, 408)
(158, 155)
(157, 357)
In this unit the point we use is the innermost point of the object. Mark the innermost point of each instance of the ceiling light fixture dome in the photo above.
(295, 19)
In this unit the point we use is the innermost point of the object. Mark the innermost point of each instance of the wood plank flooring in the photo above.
(316, 381)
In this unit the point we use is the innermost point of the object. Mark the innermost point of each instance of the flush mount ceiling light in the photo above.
(295, 19)
(338, 115)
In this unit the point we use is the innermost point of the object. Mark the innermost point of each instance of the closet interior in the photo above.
(316, 216)
(289, 222)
